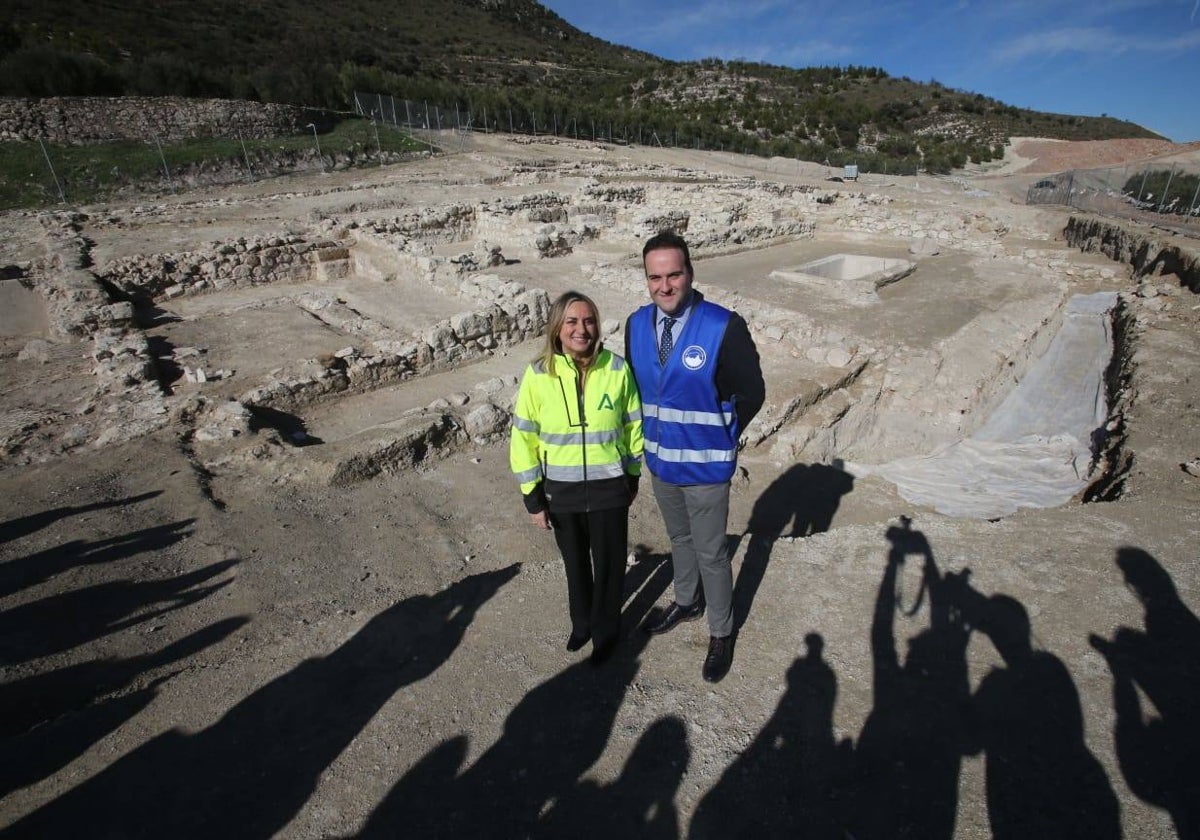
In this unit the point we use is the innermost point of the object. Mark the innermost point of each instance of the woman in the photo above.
(576, 449)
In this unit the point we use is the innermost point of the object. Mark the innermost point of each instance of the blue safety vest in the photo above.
(691, 435)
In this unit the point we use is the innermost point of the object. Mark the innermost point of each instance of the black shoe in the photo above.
(668, 618)
(602, 653)
(720, 657)
(578, 640)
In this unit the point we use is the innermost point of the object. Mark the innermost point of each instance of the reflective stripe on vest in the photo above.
(675, 415)
(689, 456)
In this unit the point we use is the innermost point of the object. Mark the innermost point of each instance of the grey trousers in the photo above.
(696, 516)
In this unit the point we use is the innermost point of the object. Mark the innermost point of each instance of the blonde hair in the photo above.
(558, 315)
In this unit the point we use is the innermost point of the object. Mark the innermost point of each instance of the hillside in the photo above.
(511, 57)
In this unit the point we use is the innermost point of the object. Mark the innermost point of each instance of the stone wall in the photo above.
(124, 400)
(80, 120)
(241, 262)
(466, 336)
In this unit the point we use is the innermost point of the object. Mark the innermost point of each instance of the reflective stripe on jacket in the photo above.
(568, 441)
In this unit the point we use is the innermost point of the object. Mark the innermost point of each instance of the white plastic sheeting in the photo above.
(1036, 449)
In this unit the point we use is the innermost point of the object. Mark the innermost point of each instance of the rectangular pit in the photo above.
(855, 275)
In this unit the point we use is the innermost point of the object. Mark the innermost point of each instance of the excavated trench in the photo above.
(1059, 433)
(1038, 447)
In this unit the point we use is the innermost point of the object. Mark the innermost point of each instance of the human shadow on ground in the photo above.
(799, 503)
(248, 774)
(640, 802)
(66, 620)
(908, 755)
(25, 525)
(790, 781)
(901, 778)
(1158, 745)
(1026, 718)
(47, 720)
(23, 572)
(550, 739)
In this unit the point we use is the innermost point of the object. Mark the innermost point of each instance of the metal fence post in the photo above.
(61, 196)
(163, 158)
(317, 142)
(246, 155)
(1167, 189)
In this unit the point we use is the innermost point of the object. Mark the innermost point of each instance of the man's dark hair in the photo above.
(668, 239)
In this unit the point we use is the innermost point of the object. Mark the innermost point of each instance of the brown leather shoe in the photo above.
(720, 657)
(673, 615)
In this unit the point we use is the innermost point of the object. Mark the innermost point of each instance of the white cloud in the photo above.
(814, 52)
(1090, 40)
(701, 18)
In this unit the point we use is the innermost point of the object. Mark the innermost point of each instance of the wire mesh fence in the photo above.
(437, 117)
(449, 128)
(1164, 193)
(44, 172)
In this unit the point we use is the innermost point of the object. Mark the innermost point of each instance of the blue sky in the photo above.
(1137, 60)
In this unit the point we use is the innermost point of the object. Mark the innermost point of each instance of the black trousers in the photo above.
(593, 547)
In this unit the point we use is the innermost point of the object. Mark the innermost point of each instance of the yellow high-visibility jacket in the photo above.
(579, 449)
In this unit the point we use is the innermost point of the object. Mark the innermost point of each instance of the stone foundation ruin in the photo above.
(255, 347)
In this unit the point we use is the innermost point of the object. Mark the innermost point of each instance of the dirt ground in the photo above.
(190, 651)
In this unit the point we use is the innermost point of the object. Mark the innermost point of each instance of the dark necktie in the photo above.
(664, 346)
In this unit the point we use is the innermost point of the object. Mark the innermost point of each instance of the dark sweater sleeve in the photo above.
(739, 371)
(535, 500)
(628, 355)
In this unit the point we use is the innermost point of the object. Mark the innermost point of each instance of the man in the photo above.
(701, 384)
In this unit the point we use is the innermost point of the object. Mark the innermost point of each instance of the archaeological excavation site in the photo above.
(266, 571)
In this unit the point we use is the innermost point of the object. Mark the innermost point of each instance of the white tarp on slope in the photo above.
(1035, 450)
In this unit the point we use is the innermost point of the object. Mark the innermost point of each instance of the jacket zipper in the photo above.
(579, 386)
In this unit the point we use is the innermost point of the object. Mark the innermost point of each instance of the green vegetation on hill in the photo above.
(512, 60)
(84, 174)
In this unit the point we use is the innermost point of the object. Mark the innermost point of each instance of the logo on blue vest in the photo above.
(694, 357)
